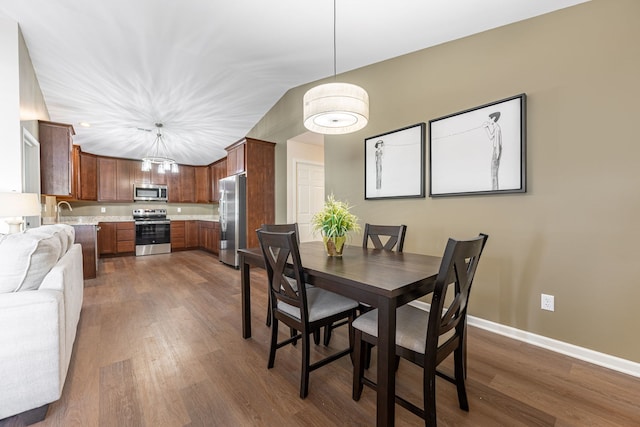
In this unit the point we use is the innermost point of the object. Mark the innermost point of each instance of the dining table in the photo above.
(383, 279)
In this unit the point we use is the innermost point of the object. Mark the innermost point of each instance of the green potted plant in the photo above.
(333, 222)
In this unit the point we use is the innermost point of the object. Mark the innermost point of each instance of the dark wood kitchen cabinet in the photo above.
(115, 179)
(107, 244)
(125, 172)
(86, 236)
(181, 186)
(236, 158)
(56, 162)
(209, 234)
(187, 184)
(116, 238)
(259, 165)
(203, 184)
(217, 171)
(191, 240)
(184, 235)
(107, 179)
(85, 175)
(177, 229)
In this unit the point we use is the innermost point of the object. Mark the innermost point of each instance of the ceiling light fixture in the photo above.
(159, 156)
(335, 108)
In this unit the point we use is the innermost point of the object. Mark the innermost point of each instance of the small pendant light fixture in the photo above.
(335, 108)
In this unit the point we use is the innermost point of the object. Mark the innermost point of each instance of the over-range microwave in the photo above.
(150, 192)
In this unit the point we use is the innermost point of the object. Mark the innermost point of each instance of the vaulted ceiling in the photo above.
(208, 70)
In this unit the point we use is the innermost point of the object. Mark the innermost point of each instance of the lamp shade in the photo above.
(19, 204)
(335, 108)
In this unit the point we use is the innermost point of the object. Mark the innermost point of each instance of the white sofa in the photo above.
(41, 290)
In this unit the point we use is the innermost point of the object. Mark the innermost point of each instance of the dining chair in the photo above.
(305, 309)
(279, 228)
(426, 338)
(384, 237)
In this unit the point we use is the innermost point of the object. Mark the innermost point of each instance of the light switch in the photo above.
(103, 210)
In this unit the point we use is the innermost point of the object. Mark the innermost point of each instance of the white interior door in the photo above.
(309, 197)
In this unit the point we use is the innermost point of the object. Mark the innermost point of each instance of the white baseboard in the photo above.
(581, 353)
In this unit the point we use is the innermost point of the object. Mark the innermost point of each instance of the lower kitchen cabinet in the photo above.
(177, 235)
(185, 235)
(116, 238)
(209, 234)
(86, 236)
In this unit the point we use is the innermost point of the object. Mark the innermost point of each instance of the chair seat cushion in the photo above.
(321, 304)
(411, 326)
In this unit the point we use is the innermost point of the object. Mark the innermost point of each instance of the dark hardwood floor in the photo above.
(159, 344)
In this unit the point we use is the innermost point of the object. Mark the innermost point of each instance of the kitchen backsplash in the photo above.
(92, 209)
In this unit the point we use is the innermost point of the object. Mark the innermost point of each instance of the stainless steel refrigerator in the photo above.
(232, 208)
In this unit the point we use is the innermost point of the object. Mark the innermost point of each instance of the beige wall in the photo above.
(32, 105)
(574, 233)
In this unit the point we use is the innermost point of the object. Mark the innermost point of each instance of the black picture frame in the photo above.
(394, 164)
(478, 151)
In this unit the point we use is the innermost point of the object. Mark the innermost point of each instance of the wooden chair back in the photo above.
(394, 235)
(282, 228)
(286, 283)
(457, 271)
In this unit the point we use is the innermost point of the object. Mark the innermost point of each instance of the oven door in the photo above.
(153, 232)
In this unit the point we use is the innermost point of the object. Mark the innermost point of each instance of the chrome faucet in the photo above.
(58, 209)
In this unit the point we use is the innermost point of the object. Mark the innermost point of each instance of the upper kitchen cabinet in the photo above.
(182, 186)
(203, 184)
(217, 171)
(85, 175)
(149, 177)
(108, 179)
(115, 179)
(56, 163)
(187, 184)
(236, 157)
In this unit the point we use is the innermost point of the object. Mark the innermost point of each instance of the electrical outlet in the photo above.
(103, 210)
(179, 210)
(547, 302)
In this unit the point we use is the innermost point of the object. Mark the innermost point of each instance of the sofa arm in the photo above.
(30, 353)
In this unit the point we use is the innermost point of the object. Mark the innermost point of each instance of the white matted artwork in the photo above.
(394, 163)
(479, 151)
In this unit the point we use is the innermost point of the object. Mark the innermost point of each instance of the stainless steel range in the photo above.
(153, 231)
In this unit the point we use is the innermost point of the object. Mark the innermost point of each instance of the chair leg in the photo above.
(269, 311)
(327, 334)
(459, 374)
(293, 333)
(316, 336)
(359, 351)
(274, 344)
(304, 377)
(430, 418)
(367, 356)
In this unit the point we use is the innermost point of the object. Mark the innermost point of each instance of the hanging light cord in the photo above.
(334, 40)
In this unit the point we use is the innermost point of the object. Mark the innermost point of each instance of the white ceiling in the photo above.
(210, 69)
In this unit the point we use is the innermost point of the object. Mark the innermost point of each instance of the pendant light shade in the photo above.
(335, 108)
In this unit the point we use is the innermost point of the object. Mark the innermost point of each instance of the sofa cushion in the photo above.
(25, 258)
(64, 232)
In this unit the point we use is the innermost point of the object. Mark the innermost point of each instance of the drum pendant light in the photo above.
(335, 108)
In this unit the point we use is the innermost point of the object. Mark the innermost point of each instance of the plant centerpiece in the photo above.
(333, 222)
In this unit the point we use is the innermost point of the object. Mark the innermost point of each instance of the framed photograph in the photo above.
(394, 164)
(479, 151)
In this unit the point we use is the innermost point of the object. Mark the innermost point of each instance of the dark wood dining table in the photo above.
(383, 279)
